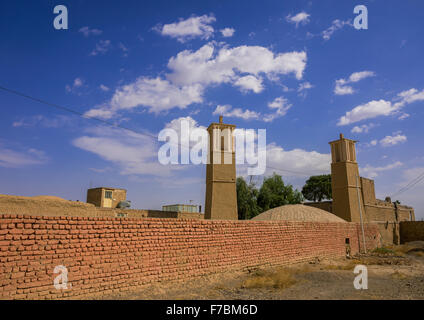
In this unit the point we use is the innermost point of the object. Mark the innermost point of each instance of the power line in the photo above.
(54, 105)
(411, 184)
(111, 124)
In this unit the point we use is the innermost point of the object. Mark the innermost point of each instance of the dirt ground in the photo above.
(393, 273)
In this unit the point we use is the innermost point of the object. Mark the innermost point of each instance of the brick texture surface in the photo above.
(411, 231)
(111, 255)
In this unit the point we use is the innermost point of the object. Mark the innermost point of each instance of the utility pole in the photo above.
(360, 214)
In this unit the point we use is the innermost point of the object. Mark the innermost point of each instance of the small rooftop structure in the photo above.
(298, 212)
(189, 208)
(106, 197)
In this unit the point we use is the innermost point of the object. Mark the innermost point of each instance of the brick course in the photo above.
(110, 255)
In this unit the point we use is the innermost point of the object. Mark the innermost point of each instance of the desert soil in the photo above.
(394, 273)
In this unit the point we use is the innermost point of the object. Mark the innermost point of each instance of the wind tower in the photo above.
(345, 180)
(221, 194)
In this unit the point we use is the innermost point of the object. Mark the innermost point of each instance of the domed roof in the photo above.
(297, 212)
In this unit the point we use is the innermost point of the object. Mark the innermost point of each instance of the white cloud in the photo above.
(280, 105)
(102, 47)
(191, 73)
(16, 159)
(300, 18)
(227, 111)
(365, 128)
(409, 96)
(336, 25)
(101, 113)
(40, 120)
(300, 162)
(404, 116)
(175, 124)
(368, 110)
(133, 153)
(250, 83)
(104, 88)
(193, 27)
(358, 76)
(87, 31)
(342, 88)
(303, 87)
(210, 66)
(372, 172)
(155, 94)
(78, 83)
(397, 138)
(381, 107)
(227, 32)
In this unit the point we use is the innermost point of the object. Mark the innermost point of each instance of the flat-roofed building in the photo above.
(187, 208)
(106, 197)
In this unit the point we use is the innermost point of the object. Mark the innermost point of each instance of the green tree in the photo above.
(317, 188)
(273, 193)
(246, 199)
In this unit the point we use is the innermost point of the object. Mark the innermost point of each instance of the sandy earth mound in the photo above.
(298, 212)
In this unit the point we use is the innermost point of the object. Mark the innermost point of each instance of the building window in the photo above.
(108, 194)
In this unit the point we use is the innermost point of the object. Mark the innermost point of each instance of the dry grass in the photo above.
(347, 266)
(279, 278)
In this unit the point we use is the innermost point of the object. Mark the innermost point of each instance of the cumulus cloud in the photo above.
(193, 71)
(376, 108)
(132, 153)
(155, 94)
(280, 106)
(342, 87)
(365, 128)
(393, 140)
(300, 18)
(250, 83)
(227, 32)
(211, 66)
(336, 25)
(303, 87)
(87, 31)
(193, 27)
(372, 172)
(300, 162)
(368, 110)
(227, 111)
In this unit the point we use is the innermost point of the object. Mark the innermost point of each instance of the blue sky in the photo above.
(298, 69)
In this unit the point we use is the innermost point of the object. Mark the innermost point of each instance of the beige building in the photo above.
(221, 194)
(354, 196)
(106, 197)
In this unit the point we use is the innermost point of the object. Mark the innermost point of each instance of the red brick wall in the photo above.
(106, 255)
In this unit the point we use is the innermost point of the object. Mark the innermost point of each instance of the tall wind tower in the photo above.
(221, 194)
(345, 180)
